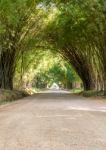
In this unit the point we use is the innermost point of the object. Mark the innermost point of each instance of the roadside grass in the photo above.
(93, 93)
(76, 90)
(9, 96)
(90, 93)
(31, 91)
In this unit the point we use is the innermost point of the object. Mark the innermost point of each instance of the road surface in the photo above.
(53, 121)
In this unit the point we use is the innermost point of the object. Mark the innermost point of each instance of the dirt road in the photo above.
(53, 121)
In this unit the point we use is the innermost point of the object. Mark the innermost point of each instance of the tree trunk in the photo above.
(7, 69)
(105, 85)
(86, 76)
(82, 66)
(88, 85)
(104, 75)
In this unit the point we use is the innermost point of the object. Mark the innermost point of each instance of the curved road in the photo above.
(53, 121)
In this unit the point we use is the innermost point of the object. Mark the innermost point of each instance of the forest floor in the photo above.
(53, 121)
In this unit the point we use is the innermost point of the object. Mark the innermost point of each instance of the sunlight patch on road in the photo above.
(54, 116)
(54, 91)
(101, 109)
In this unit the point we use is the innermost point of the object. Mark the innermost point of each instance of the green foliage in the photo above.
(76, 29)
(20, 25)
(54, 70)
